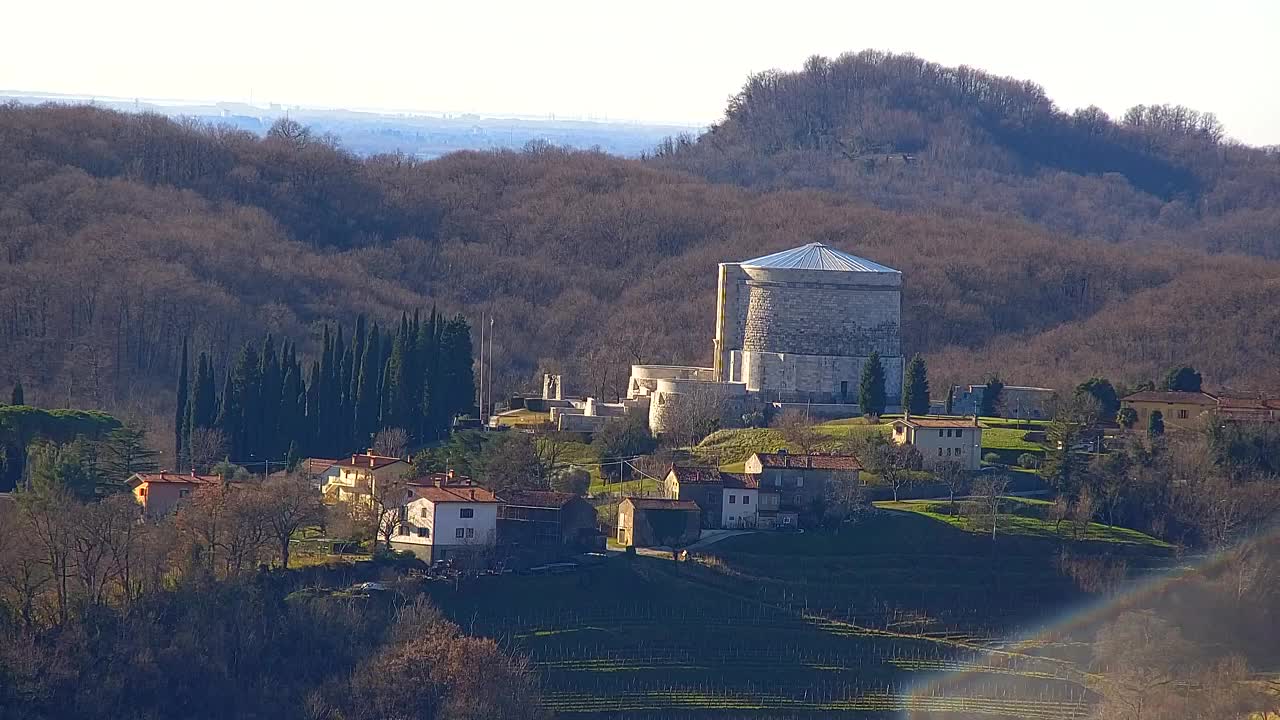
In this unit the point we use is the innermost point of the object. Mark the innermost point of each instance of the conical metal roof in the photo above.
(816, 256)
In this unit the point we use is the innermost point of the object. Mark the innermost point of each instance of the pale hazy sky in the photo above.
(652, 60)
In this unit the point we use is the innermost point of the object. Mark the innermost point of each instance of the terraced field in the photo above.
(861, 623)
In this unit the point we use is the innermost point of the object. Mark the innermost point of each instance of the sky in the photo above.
(657, 60)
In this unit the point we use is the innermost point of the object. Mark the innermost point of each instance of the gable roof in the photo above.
(816, 256)
(809, 462)
(453, 494)
(696, 475)
(1171, 397)
(662, 504)
(368, 461)
(936, 422)
(538, 498)
(173, 478)
(740, 481)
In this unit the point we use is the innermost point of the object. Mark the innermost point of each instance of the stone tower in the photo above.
(798, 325)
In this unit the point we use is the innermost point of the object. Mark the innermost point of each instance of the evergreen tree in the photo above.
(314, 442)
(292, 410)
(1103, 391)
(991, 397)
(271, 395)
(915, 388)
(1155, 424)
(203, 400)
(368, 402)
(325, 392)
(457, 381)
(125, 452)
(292, 458)
(248, 388)
(428, 354)
(1183, 379)
(230, 417)
(18, 398)
(181, 418)
(399, 384)
(871, 392)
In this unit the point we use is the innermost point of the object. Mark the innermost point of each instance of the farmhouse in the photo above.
(649, 522)
(448, 522)
(701, 485)
(942, 439)
(358, 476)
(553, 520)
(740, 501)
(160, 493)
(1179, 410)
(796, 482)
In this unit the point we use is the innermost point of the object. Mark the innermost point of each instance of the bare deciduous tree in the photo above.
(391, 442)
(798, 430)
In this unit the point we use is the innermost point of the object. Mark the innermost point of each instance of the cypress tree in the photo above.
(271, 394)
(915, 388)
(18, 397)
(1155, 424)
(229, 416)
(398, 391)
(457, 381)
(314, 442)
(181, 416)
(428, 354)
(204, 399)
(292, 410)
(367, 399)
(327, 401)
(248, 385)
(871, 392)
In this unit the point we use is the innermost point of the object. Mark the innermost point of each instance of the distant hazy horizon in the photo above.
(662, 62)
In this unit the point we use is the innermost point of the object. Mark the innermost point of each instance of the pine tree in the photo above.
(871, 392)
(18, 397)
(181, 416)
(125, 452)
(915, 388)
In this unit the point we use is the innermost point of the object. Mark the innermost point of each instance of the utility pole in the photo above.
(480, 385)
(489, 383)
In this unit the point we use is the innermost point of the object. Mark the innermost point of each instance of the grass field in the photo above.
(816, 624)
(1028, 517)
(1008, 439)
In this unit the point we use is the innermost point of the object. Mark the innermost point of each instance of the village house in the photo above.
(798, 481)
(448, 522)
(555, 521)
(740, 501)
(358, 476)
(701, 485)
(650, 522)
(1179, 410)
(942, 439)
(1246, 408)
(160, 493)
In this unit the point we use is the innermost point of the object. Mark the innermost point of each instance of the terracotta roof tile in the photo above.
(935, 422)
(809, 462)
(454, 494)
(174, 478)
(695, 475)
(367, 461)
(740, 481)
(1170, 396)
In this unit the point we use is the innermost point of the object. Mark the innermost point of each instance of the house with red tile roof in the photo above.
(651, 522)
(791, 485)
(443, 521)
(942, 439)
(160, 493)
(358, 476)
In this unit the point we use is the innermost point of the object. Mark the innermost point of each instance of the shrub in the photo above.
(991, 458)
(1028, 461)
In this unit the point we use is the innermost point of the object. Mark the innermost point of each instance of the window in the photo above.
(471, 532)
(183, 493)
(424, 532)
(939, 452)
(142, 492)
(948, 452)
(733, 499)
(746, 499)
(460, 533)
(467, 512)
(939, 433)
(422, 513)
(777, 480)
(1182, 414)
(959, 451)
(800, 481)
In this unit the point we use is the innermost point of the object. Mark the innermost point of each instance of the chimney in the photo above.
(370, 462)
(353, 459)
(438, 482)
(193, 472)
(449, 473)
(472, 493)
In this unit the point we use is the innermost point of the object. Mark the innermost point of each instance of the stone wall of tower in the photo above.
(822, 312)
(731, 315)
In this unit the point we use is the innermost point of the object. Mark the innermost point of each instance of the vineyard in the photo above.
(858, 623)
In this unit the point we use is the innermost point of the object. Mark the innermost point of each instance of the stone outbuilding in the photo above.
(651, 522)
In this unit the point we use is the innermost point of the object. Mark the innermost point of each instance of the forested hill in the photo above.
(122, 234)
(904, 133)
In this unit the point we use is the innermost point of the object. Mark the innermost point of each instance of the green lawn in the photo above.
(727, 447)
(1027, 517)
(1008, 439)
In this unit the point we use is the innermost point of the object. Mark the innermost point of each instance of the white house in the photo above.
(448, 522)
(740, 500)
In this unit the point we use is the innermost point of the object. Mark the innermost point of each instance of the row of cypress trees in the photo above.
(915, 386)
(416, 376)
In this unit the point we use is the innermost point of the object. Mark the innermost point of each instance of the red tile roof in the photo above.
(537, 498)
(740, 481)
(1253, 402)
(935, 422)
(695, 475)
(174, 478)
(809, 462)
(662, 504)
(454, 494)
(1171, 397)
(368, 462)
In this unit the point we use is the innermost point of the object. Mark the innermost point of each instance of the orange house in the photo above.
(160, 493)
(1179, 410)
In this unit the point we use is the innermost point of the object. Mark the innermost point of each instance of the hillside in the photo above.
(907, 134)
(120, 234)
